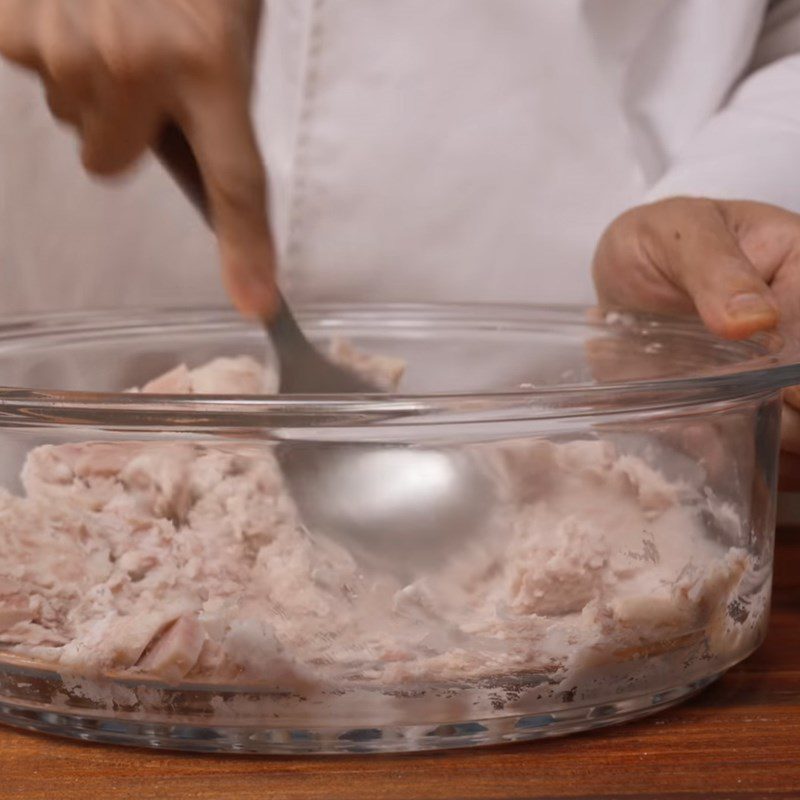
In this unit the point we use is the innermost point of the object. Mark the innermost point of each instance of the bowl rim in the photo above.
(770, 361)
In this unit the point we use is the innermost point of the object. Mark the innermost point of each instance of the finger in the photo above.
(68, 62)
(220, 130)
(693, 246)
(770, 237)
(118, 128)
(18, 20)
(625, 274)
(62, 106)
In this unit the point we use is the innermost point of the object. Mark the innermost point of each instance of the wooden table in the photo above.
(739, 739)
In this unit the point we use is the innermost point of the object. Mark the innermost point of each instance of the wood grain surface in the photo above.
(739, 739)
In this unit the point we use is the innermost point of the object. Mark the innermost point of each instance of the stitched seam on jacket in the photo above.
(299, 190)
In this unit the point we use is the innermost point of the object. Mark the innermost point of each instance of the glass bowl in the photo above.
(158, 588)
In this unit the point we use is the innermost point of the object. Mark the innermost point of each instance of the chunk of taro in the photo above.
(175, 652)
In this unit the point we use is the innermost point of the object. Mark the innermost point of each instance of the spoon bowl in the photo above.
(395, 508)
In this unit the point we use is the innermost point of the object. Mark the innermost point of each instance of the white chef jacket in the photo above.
(429, 150)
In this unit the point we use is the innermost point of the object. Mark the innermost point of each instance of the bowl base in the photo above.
(250, 739)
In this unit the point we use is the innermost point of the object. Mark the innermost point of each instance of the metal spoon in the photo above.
(400, 508)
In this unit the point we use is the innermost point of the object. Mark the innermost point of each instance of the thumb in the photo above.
(702, 256)
(730, 295)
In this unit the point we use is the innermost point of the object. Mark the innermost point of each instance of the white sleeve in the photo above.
(751, 148)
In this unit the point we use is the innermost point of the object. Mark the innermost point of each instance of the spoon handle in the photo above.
(175, 153)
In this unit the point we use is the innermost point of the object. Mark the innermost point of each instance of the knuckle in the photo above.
(130, 64)
(128, 53)
(66, 55)
(207, 46)
(633, 222)
(692, 207)
(68, 63)
(680, 209)
(196, 58)
(705, 209)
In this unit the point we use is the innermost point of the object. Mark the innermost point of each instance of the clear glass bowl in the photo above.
(157, 587)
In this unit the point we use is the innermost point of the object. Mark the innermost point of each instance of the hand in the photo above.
(734, 263)
(117, 70)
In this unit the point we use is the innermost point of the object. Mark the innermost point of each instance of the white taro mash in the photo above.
(187, 561)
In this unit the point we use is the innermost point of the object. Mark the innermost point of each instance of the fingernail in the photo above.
(750, 305)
